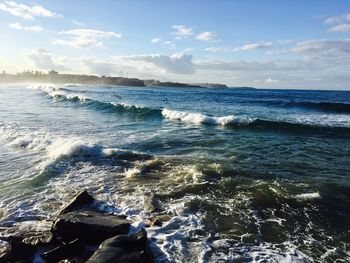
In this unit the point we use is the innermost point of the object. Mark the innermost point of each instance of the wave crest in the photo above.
(199, 118)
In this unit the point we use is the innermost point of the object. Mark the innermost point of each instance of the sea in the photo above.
(235, 175)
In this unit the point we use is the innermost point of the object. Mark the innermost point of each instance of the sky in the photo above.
(268, 44)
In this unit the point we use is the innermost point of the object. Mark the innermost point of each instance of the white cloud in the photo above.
(337, 19)
(42, 59)
(271, 81)
(79, 43)
(175, 64)
(313, 73)
(169, 44)
(215, 49)
(85, 38)
(254, 46)
(26, 12)
(207, 36)
(100, 67)
(91, 33)
(253, 65)
(286, 41)
(78, 23)
(19, 26)
(338, 50)
(182, 31)
(340, 28)
(156, 40)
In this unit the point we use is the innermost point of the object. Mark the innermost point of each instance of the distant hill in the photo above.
(54, 77)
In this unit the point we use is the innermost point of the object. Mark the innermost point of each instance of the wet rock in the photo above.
(152, 204)
(21, 243)
(38, 239)
(64, 251)
(124, 249)
(17, 251)
(5, 250)
(90, 226)
(82, 199)
(157, 220)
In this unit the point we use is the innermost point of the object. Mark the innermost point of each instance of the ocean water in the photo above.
(244, 175)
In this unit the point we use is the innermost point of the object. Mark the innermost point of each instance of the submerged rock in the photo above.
(123, 248)
(90, 226)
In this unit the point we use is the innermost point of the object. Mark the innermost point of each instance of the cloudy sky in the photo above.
(271, 43)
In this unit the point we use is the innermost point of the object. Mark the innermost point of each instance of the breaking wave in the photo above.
(198, 118)
(60, 152)
(229, 121)
(122, 108)
(249, 123)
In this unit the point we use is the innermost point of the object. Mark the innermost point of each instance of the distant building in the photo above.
(53, 73)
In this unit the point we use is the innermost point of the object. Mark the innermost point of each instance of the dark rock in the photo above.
(5, 250)
(17, 251)
(20, 244)
(82, 199)
(89, 226)
(157, 220)
(124, 249)
(38, 240)
(64, 251)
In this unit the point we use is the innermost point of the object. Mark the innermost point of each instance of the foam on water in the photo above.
(24, 138)
(199, 118)
(58, 92)
(309, 196)
(57, 148)
(217, 212)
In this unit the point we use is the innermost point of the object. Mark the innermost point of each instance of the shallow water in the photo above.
(244, 174)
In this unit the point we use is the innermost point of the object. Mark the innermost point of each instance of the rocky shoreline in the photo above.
(80, 233)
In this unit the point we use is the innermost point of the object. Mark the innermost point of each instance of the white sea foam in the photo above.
(57, 92)
(132, 173)
(199, 118)
(126, 105)
(57, 148)
(308, 196)
(72, 85)
(18, 136)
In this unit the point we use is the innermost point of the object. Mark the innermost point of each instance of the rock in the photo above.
(157, 220)
(152, 204)
(124, 249)
(64, 251)
(17, 251)
(20, 244)
(5, 250)
(90, 226)
(82, 199)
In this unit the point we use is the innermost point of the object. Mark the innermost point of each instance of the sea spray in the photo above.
(199, 118)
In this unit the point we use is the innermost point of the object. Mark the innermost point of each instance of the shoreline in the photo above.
(82, 233)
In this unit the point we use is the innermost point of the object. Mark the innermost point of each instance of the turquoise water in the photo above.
(243, 174)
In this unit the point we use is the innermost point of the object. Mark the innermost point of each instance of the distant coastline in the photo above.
(55, 77)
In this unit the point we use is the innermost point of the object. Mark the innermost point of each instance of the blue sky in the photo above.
(271, 43)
